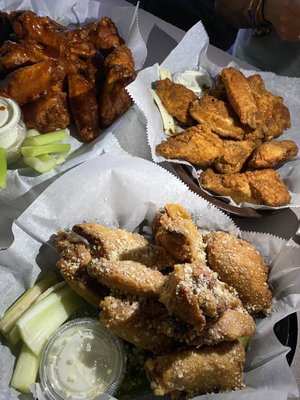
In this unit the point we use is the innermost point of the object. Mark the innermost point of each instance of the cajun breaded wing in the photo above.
(256, 187)
(48, 113)
(193, 293)
(174, 229)
(135, 321)
(118, 244)
(197, 144)
(269, 154)
(74, 256)
(114, 99)
(176, 98)
(219, 116)
(195, 371)
(128, 276)
(28, 83)
(238, 263)
(84, 106)
(240, 96)
(230, 326)
(233, 156)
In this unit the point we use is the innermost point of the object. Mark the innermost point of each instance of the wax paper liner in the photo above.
(190, 53)
(119, 190)
(74, 13)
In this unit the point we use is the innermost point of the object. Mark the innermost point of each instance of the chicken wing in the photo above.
(74, 256)
(174, 229)
(114, 99)
(270, 154)
(48, 113)
(118, 244)
(197, 144)
(196, 371)
(28, 83)
(238, 263)
(135, 321)
(257, 187)
(128, 276)
(234, 155)
(104, 35)
(84, 106)
(193, 293)
(176, 98)
(219, 116)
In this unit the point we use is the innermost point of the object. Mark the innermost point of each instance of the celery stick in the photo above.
(43, 163)
(45, 138)
(167, 119)
(3, 167)
(51, 289)
(25, 301)
(44, 317)
(32, 132)
(32, 151)
(13, 336)
(244, 340)
(164, 73)
(25, 371)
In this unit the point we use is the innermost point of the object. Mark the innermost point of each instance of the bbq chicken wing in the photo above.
(256, 187)
(176, 98)
(105, 36)
(238, 263)
(84, 106)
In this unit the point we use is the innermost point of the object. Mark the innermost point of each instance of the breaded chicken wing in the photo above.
(84, 106)
(197, 144)
(234, 155)
(256, 187)
(135, 321)
(128, 276)
(74, 256)
(196, 371)
(219, 116)
(174, 229)
(270, 154)
(193, 293)
(176, 98)
(118, 244)
(238, 263)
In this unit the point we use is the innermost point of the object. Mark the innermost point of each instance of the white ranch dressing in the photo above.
(197, 81)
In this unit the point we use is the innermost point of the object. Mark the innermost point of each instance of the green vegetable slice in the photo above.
(3, 167)
(164, 73)
(167, 119)
(25, 301)
(44, 317)
(45, 138)
(25, 371)
(44, 162)
(33, 151)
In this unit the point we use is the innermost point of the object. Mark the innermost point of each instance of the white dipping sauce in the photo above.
(197, 81)
(82, 361)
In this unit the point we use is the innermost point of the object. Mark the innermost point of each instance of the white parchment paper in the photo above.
(21, 179)
(119, 190)
(190, 53)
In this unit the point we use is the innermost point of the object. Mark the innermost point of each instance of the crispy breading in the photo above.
(234, 155)
(174, 229)
(219, 116)
(231, 325)
(197, 144)
(74, 256)
(119, 244)
(128, 276)
(208, 369)
(270, 154)
(135, 321)
(256, 187)
(176, 98)
(193, 293)
(240, 96)
(238, 263)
